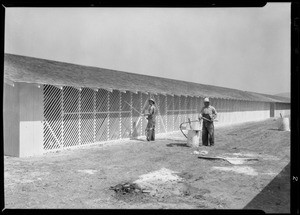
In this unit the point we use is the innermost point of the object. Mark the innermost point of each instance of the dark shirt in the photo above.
(151, 112)
(208, 112)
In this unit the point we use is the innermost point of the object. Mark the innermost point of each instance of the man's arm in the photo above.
(214, 113)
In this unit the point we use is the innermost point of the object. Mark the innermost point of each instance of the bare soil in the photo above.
(81, 178)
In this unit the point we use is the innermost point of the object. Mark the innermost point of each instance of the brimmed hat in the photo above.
(152, 101)
(206, 99)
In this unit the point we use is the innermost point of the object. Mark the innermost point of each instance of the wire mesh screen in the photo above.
(75, 117)
(194, 108)
(126, 114)
(114, 115)
(114, 126)
(71, 130)
(183, 104)
(87, 128)
(87, 116)
(159, 119)
(189, 111)
(162, 112)
(101, 115)
(114, 101)
(176, 112)
(71, 116)
(52, 117)
(136, 117)
(101, 127)
(170, 113)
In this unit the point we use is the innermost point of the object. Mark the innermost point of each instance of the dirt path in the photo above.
(81, 178)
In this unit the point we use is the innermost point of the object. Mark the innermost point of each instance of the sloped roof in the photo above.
(41, 71)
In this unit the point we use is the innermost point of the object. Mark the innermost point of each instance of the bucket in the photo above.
(284, 124)
(193, 138)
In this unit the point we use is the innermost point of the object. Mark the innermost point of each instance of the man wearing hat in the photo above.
(208, 113)
(150, 129)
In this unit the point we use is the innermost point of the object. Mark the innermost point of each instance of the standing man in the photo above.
(208, 113)
(150, 129)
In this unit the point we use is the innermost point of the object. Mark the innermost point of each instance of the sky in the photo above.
(241, 48)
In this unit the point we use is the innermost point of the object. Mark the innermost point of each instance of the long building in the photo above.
(50, 105)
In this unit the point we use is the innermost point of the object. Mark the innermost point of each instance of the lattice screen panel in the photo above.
(125, 125)
(176, 112)
(189, 111)
(87, 128)
(87, 100)
(71, 130)
(183, 104)
(75, 117)
(101, 127)
(136, 118)
(162, 112)
(71, 116)
(102, 100)
(52, 117)
(114, 126)
(126, 115)
(114, 101)
(159, 120)
(114, 115)
(170, 113)
(101, 116)
(71, 100)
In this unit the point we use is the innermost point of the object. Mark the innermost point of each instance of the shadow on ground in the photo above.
(177, 144)
(273, 129)
(275, 197)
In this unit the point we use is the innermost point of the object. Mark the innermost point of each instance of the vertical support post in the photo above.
(108, 107)
(141, 97)
(94, 115)
(179, 112)
(79, 116)
(166, 113)
(120, 115)
(131, 105)
(173, 113)
(62, 118)
(196, 107)
(157, 119)
(185, 106)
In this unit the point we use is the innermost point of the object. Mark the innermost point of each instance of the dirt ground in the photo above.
(81, 178)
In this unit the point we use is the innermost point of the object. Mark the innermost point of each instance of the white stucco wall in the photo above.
(23, 119)
(229, 118)
(11, 119)
(31, 119)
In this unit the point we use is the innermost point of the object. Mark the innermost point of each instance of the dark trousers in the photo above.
(208, 134)
(150, 130)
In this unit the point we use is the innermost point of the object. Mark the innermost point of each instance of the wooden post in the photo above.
(108, 106)
(166, 113)
(62, 117)
(79, 116)
(120, 115)
(94, 115)
(131, 105)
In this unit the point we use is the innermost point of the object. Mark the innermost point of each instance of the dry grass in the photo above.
(33, 70)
